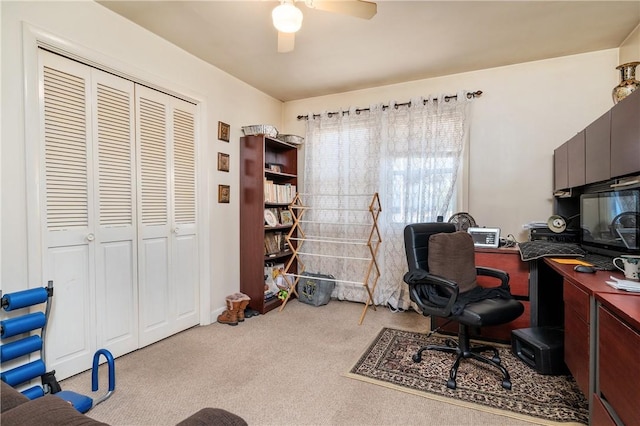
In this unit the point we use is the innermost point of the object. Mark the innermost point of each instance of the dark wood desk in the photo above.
(602, 330)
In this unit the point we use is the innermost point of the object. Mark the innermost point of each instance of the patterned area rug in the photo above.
(533, 397)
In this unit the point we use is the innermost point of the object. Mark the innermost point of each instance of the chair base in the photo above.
(464, 350)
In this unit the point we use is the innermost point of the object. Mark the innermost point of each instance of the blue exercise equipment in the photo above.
(15, 345)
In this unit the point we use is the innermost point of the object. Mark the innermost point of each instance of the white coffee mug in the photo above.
(630, 266)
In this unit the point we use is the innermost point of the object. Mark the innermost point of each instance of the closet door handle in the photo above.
(91, 237)
(176, 230)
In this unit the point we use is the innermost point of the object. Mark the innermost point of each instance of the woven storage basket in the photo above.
(293, 139)
(260, 129)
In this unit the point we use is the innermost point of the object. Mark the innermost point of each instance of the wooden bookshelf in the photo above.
(265, 162)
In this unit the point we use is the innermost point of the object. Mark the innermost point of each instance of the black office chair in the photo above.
(442, 282)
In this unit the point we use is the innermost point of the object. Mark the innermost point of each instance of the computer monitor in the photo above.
(610, 222)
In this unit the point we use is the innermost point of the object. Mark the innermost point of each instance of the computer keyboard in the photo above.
(600, 262)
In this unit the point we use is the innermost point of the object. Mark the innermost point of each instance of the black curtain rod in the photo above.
(470, 95)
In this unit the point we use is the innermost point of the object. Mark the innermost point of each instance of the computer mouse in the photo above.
(584, 268)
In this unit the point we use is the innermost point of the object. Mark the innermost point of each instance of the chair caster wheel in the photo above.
(416, 358)
(451, 384)
(496, 359)
(506, 384)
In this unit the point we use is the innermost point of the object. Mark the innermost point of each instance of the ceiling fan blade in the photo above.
(286, 42)
(358, 8)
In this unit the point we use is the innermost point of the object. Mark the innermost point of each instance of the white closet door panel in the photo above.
(184, 166)
(186, 279)
(71, 322)
(67, 199)
(117, 297)
(153, 157)
(114, 181)
(184, 243)
(155, 317)
(154, 225)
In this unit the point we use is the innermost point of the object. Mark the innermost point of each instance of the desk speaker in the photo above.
(541, 348)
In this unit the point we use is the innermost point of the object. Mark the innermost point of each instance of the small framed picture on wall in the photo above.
(223, 162)
(223, 131)
(224, 193)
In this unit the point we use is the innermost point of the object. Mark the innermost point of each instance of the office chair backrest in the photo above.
(416, 242)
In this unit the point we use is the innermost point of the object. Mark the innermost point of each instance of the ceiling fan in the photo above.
(287, 18)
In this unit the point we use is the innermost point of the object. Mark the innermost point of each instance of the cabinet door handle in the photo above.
(91, 237)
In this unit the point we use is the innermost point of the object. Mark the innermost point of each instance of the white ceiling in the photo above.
(406, 40)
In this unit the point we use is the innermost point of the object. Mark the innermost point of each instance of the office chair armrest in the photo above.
(419, 282)
(494, 273)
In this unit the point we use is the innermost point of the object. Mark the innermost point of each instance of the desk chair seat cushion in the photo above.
(493, 311)
(455, 248)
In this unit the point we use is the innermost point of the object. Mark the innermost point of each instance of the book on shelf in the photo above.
(278, 193)
(273, 243)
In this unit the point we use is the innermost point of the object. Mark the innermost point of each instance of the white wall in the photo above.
(526, 111)
(630, 49)
(91, 28)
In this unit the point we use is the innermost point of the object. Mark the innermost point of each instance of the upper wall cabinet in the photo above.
(560, 167)
(598, 149)
(569, 163)
(560, 171)
(625, 136)
(576, 159)
(608, 148)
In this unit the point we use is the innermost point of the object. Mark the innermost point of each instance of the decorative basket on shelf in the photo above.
(260, 129)
(293, 139)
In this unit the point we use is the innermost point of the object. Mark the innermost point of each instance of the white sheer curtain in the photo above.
(409, 154)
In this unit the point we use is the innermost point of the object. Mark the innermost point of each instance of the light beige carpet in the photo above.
(535, 397)
(282, 368)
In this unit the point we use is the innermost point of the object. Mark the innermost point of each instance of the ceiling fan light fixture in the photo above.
(287, 18)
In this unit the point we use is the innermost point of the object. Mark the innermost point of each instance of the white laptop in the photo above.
(485, 237)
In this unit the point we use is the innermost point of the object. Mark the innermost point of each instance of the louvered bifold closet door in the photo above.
(168, 269)
(114, 181)
(89, 226)
(184, 241)
(67, 198)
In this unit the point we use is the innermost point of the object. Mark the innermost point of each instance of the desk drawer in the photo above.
(576, 348)
(618, 366)
(599, 414)
(577, 299)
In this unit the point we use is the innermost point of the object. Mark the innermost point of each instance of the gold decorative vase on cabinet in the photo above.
(628, 81)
